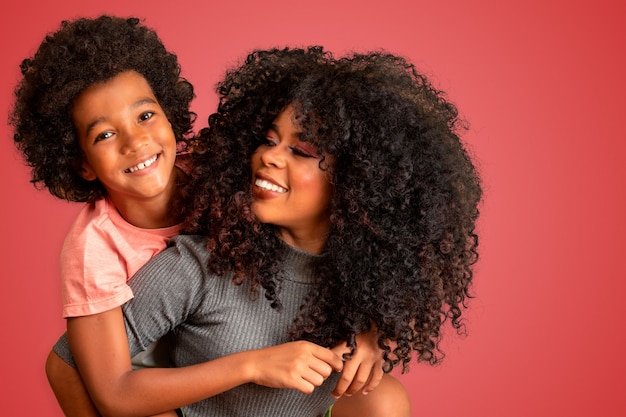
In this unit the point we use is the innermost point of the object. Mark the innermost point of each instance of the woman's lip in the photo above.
(267, 183)
(268, 186)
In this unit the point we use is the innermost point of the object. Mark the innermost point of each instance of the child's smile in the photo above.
(142, 165)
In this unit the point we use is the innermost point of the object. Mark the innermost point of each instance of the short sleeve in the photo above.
(93, 271)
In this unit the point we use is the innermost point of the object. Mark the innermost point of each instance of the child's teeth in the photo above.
(143, 165)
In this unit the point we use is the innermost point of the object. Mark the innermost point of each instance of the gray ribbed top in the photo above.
(211, 317)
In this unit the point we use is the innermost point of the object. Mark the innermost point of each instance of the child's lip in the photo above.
(143, 164)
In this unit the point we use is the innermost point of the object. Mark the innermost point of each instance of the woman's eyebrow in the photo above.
(296, 134)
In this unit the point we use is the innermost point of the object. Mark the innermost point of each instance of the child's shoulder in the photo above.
(91, 231)
(93, 211)
(91, 215)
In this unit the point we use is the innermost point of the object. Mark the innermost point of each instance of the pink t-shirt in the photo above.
(100, 253)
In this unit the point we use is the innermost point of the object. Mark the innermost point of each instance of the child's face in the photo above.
(290, 190)
(126, 138)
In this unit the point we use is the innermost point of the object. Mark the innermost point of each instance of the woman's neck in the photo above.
(313, 244)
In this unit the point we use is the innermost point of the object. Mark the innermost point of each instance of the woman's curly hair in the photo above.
(81, 53)
(401, 246)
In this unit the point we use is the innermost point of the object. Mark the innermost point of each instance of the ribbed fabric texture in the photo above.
(208, 317)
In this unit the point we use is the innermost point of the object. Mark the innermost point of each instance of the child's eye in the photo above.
(146, 115)
(103, 136)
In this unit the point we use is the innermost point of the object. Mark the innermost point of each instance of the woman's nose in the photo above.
(274, 156)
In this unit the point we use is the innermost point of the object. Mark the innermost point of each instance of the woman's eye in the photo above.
(263, 142)
(305, 149)
(268, 141)
(302, 152)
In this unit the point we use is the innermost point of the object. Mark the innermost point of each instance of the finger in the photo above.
(313, 379)
(341, 349)
(329, 356)
(375, 378)
(304, 386)
(321, 368)
(360, 378)
(349, 370)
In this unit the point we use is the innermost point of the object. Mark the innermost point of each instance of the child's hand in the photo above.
(296, 365)
(364, 370)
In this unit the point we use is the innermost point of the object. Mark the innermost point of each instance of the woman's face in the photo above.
(290, 190)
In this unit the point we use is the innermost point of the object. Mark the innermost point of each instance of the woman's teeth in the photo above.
(143, 165)
(266, 185)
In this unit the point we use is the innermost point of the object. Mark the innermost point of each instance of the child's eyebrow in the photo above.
(138, 103)
(142, 101)
(93, 124)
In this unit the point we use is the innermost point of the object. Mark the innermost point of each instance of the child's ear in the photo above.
(86, 171)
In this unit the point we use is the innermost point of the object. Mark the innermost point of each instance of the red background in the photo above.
(541, 83)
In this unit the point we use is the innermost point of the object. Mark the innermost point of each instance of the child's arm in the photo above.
(69, 389)
(364, 371)
(100, 349)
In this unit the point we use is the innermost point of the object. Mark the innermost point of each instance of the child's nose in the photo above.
(135, 139)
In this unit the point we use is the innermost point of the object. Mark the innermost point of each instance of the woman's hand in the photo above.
(364, 371)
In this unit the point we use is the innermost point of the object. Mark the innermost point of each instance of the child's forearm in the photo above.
(151, 390)
(296, 365)
(99, 346)
(69, 389)
(142, 392)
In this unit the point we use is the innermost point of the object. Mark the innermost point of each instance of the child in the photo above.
(98, 116)
(345, 198)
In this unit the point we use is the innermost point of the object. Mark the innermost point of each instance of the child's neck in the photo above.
(152, 213)
(147, 215)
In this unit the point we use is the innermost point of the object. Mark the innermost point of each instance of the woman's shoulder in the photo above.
(187, 246)
(182, 264)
